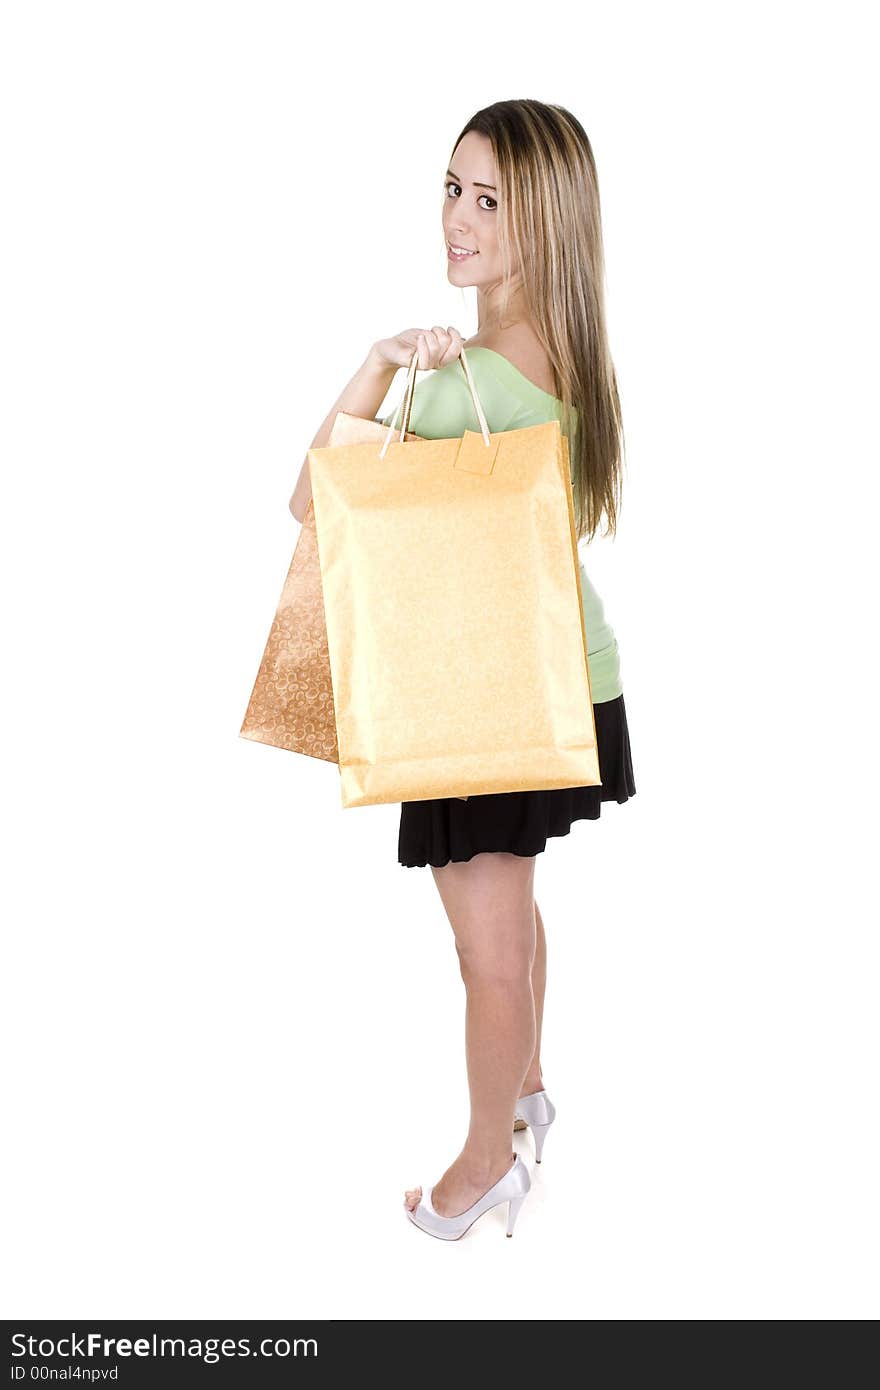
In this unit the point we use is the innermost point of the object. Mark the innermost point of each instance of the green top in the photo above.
(443, 409)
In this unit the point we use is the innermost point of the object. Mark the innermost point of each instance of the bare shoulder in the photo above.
(523, 349)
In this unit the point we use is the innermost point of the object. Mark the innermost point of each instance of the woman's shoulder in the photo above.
(443, 405)
(522, 355)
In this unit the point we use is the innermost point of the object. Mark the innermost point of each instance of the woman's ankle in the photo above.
(480, 1166)
(532, 1083)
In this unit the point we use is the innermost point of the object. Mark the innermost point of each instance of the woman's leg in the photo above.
(490, 903)
(533, 1080)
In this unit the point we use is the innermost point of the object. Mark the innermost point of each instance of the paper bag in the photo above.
(291, 704)
(454, 614)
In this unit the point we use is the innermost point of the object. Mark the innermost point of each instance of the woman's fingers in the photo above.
(437, 346)
(425, 353)
(444, 343)
(430, 350)
(453, 347)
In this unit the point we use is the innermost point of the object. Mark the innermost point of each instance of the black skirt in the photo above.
(437, 831)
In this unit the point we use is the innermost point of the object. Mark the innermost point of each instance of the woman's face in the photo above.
(470, 213)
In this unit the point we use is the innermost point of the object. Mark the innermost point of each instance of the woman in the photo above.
(521, 224)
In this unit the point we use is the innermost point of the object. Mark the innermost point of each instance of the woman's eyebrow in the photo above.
(476, 185)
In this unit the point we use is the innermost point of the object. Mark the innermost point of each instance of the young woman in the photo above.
(521, 224)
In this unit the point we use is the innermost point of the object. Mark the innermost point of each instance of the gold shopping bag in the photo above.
(454, 613)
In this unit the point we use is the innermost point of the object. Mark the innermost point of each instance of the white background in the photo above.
(233, 1022)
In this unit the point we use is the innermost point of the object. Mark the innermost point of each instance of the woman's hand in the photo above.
(436, 346)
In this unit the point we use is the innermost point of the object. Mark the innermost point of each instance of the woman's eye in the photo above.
(482, 195)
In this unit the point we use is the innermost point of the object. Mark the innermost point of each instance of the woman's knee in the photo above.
(500, 960)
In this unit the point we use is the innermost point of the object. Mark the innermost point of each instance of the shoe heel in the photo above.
(540, 1134)
(513, 1207)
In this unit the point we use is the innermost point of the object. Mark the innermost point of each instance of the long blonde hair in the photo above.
(550, 217)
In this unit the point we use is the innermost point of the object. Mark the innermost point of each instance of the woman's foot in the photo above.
(461, 1185)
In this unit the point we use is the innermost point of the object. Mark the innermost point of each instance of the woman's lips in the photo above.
(456, 256)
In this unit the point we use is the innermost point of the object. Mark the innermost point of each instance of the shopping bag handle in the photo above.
(407, 403)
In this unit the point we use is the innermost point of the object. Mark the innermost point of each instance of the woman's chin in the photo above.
(457, 274)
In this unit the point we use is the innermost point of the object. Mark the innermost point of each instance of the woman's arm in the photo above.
(370, 385)
(362, 396)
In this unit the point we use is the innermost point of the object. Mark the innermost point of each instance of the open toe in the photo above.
(511, 1188)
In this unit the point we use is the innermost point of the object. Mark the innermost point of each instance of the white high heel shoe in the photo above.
(512, 1188)
(538, 1112)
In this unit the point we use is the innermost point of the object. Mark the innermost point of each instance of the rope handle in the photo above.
(406, 403)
